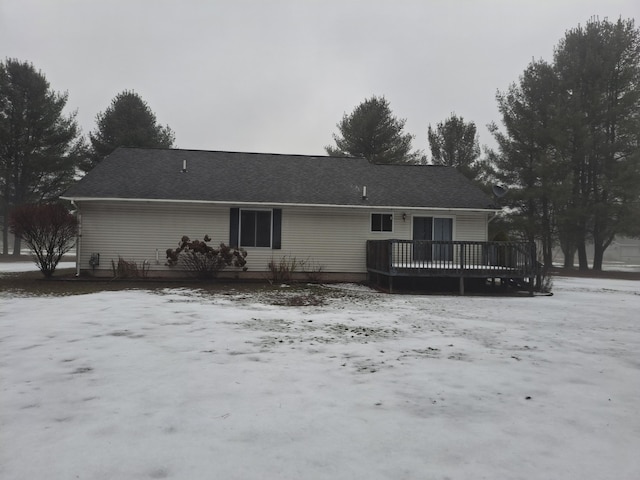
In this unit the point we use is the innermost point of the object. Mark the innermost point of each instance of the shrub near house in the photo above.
(49, 230)
(203, 260)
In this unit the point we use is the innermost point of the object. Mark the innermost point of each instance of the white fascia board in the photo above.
(277, 204)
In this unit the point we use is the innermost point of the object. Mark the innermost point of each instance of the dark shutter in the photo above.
(277, 229)
(234, 223)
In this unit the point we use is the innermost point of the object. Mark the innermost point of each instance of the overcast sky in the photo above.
(277, 75)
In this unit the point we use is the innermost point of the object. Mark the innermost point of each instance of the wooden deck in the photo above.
(515, 261)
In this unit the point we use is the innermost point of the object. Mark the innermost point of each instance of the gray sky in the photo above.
(277, 75)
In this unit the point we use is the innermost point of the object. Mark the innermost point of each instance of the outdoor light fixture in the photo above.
(404, 217)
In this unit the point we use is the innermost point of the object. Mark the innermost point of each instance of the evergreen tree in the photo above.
(371, 131)
(454, 143)
(570, 152)
(40, 147)
(127, 122)
(598, 67)
(527, 160)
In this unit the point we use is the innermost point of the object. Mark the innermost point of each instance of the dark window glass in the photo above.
(387, 224)
(381, 222)
(247, 228)
(255, 228)
(263, 229)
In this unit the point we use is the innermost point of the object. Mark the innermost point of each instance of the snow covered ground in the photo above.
(17, 267)
(191, 385)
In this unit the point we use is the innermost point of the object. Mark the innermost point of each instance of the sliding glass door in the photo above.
(432, 228)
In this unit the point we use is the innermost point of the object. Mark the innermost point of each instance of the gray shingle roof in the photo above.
(156, 174)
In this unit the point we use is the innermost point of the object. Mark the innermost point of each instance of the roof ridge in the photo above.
(195, 150)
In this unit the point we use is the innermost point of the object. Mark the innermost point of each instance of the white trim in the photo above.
(278, 204)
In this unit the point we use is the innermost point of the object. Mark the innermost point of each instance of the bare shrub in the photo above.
(545, 281)
(312, 270)
(49, 230)
(283, 270)
(129, 269)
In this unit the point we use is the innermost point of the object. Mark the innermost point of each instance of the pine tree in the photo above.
(40, 147)
(570, 152)
(371, 131)
(127, 122)
(598, 67)
(454, 143)
(526, 161)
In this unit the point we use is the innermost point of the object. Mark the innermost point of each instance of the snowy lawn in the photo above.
(181, 385)
(25, 266)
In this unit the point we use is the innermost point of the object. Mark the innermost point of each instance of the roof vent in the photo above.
(184, 166)
(364, 192)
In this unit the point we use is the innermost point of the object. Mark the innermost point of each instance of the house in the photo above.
(335, 214)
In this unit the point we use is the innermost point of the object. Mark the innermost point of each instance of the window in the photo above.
(381, 222)
(260, 228)
(255, 228)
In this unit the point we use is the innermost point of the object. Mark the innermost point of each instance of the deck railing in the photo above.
(452, 258)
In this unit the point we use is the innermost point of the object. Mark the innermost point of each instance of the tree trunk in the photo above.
(583, 262)
(547, 237)
(5, 230)
(17, 243)
(547, 256)
(598, 255)
(569, 256)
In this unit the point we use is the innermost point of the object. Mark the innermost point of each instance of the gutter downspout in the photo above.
(78, 237)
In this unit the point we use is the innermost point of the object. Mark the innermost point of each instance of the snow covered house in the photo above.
(345, 217)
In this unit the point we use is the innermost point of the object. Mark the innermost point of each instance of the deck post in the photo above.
(461, 286)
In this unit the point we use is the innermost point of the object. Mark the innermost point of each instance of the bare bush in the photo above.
(312, 270)
(129, 269)
(49, 230)
(284, 270)
(545, 281)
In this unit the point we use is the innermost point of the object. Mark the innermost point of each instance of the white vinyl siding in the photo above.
(331, 238)
(471, 227)
(134, 231)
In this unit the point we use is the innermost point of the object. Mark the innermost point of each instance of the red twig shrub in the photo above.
(203, 260)
(49, 230)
